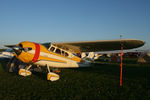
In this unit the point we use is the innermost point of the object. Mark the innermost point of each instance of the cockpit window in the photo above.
(66, 54)
(62, 53)
(52, 49)
(47, 45)
(58, 51)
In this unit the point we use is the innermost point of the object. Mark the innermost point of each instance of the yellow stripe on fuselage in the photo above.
(75, 58)
(27, 58)
(50, 59)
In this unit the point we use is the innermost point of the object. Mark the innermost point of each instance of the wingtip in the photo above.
(141, 43)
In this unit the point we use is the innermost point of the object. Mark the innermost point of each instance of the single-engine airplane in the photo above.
(65, 54)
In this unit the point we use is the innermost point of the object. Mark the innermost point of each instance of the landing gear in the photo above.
(12, 65)
(25, 72)
(52, 76)
(56, 71)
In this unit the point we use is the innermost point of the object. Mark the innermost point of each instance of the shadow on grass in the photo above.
(129, 70)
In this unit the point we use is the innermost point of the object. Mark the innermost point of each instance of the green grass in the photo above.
(100, 82)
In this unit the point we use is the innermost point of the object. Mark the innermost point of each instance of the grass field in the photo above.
(100, 82)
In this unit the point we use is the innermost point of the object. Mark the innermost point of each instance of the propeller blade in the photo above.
(10, 46)
(17, 50)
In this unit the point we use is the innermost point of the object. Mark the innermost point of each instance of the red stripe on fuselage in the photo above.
(37, 52)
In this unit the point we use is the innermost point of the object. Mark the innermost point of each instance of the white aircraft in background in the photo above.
(65, 54)
(6, 54)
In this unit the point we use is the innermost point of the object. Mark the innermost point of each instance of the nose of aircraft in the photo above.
(17, 50)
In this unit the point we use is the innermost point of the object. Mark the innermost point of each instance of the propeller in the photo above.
(18, 49)
(15, 48)
(14, 62)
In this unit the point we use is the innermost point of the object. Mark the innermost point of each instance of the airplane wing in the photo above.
(10, 46)
(95, 46)
(100, 45)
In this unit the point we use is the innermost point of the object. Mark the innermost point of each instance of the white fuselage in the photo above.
(63, 62)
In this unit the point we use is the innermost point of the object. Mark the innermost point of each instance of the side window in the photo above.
(58, 51)
(66, 54)
(63, 53)
(52, 49)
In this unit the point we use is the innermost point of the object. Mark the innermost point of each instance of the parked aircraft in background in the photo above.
(6, 54)
(65, 54)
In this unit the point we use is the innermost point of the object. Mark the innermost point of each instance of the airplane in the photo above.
(6, 55)
(64, 54)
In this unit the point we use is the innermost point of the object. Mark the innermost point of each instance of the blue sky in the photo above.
(73, 20)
